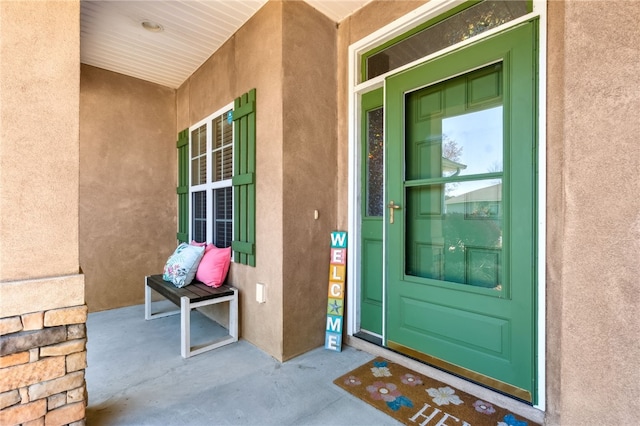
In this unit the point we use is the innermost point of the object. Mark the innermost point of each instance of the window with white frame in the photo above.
(210, 186)
(216, 191)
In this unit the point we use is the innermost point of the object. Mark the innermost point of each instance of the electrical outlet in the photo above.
(261, 297)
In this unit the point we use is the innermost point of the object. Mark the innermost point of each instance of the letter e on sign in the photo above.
(338, 256)
(331, 342)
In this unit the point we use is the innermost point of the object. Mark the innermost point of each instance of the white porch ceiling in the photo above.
(112, 36)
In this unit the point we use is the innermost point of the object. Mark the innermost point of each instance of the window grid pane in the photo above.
(198, 155)
(222, 148)
(227, 162)
(199, 214)
(223, 217)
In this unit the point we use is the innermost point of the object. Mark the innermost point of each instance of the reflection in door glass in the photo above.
(459, 236)
(375, 162)
(476, 199)
(472, 143)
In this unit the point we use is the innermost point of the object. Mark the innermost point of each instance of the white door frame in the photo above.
(384, 34)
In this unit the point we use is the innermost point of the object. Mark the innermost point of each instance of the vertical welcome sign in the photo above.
(337, 278)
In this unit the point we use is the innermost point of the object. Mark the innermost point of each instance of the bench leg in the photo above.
(185, 327)
(186, 308)
(233, 316)
(148, 315)
(147, 299)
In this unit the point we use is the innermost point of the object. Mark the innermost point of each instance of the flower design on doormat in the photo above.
(510, 420)
(380, 369)
(484, 407)
(389, 393)
(444, 396)
(352, 381)
(411, 380)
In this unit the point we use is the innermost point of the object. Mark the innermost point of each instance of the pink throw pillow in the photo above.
(214, 266)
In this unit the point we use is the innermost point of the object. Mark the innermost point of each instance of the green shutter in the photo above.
(183, 186)
(244, 181)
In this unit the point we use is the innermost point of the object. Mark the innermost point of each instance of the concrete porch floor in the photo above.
(136, 376)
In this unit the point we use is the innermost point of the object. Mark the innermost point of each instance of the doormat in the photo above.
(415, 399)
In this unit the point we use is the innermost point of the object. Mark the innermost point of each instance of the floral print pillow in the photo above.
(182, 265)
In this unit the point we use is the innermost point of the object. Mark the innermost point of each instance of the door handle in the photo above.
(392, 206)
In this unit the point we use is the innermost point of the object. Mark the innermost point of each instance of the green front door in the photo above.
(460, 224)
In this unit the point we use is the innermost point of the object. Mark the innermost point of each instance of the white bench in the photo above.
(194, 295)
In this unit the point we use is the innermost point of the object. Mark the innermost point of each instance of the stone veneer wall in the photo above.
(42, 361)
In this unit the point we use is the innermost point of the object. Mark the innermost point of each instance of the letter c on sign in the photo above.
(336, 290)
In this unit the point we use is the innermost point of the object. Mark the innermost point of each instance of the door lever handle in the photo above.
(392, 206)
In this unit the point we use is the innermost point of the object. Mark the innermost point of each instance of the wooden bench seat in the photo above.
(194, 295)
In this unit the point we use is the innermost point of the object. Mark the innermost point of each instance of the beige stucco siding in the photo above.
(252, 58)
(39, 151)
(39, 74)
(127, 185)
(554, 199)
(593, 212)
(309, 172)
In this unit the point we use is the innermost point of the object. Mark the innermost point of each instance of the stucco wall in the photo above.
(554, 199)
(252, 58)
(309, 172)
(39, 157)
(39, 139)
(127, 211)
(593, 213)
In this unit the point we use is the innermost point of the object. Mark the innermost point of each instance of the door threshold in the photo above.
(367, 337)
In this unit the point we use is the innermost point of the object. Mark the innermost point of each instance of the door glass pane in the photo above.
(459, 27)
(456, 238)
(455, 127)
(375, 162)
(453, 205)
(472, 143)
